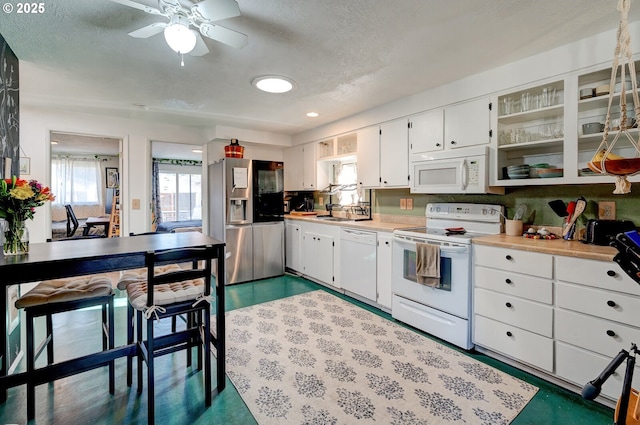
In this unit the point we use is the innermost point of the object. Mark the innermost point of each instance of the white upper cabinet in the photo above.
(394, 153)
(294, 168)
(467, 124)
(426, 131)
(369, 157)
(309, 178)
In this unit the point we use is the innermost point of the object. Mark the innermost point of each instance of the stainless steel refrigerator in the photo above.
(246, 211)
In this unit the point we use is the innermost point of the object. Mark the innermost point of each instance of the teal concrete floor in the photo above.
(84, 398)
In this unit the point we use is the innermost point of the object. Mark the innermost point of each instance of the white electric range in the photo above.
(443, 311)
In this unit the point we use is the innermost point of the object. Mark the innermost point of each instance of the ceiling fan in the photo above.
(177, 31)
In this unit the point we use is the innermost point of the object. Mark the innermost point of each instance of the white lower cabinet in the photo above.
(565, 316)
(317, 251)
(384, 264)
(293, 246)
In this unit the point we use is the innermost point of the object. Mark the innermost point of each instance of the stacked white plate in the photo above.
(518, 171)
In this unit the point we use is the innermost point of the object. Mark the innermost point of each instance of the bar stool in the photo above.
(50, 297)
(162, 294)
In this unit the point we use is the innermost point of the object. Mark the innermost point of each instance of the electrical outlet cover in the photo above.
(607, 210)
(409, 203)
(403, 203)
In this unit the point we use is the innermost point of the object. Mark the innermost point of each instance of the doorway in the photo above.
(85, 176)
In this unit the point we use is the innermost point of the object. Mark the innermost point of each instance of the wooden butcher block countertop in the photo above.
(553, 246)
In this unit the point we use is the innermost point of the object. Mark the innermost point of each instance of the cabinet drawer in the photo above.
(594, 334)
(516, 343)
(601, 274)
(581, 366)
(532, 263)
(511, 283)
(515, 311)
(595, 302)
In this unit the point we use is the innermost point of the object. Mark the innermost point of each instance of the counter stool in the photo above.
(168, 293)
(134, 277)
(60, 295)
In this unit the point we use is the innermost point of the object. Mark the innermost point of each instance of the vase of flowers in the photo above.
(18, 202)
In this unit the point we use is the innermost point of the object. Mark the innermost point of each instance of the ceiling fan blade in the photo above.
(149, 30)
(224, 35)
(201, 49)
(143, 7)
(216, 10)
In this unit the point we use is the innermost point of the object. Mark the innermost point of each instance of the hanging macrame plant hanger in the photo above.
(604, 161)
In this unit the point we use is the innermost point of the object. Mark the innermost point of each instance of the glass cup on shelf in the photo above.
(544, 98)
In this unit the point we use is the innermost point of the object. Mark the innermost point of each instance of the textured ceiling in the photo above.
(346, 56)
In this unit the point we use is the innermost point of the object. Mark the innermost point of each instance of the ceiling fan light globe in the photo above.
(180, 38)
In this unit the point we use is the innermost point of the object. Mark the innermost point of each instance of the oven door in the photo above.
(453, 294)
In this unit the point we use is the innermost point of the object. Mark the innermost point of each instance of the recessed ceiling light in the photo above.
(274, 84)
(196, 150)
(312, 114)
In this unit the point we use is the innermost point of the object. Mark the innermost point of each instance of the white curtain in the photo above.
(76, 181)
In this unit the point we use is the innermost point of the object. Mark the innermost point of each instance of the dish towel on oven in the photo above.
(428, 264)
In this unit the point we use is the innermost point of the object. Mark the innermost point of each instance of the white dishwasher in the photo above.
(358, 262)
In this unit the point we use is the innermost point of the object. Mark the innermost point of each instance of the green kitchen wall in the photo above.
(536, 198)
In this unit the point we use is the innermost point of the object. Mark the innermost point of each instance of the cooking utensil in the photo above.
(580, 206)
(520, 212)
(559, 207)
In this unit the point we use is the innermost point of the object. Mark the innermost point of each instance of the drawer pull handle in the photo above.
(508, 257)
(508, 281)
(509, 333)
(611, 273)
(611, 333)
(508, 305)
(611, 303)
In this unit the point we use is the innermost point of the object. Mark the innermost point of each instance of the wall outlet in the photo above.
(409, 203)
(320, 200)
(403, 203)
(135, 204)
(607, 210)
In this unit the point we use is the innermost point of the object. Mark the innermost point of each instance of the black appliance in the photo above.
(600, 232)
(268, 191)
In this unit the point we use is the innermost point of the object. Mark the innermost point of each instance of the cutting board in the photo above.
(303, 213)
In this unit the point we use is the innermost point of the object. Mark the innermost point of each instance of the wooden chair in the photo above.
(169, 292)
(61, 295)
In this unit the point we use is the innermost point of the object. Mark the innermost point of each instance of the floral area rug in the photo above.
(317, 359)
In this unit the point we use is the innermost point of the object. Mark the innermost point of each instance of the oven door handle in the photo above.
(453, 249)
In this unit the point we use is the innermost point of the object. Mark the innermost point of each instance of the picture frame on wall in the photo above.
(25, 165)
(113, 180)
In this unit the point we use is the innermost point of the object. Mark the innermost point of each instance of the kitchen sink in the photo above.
(331, 218)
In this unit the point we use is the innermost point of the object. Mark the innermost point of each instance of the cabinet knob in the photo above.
(385, 182)
(611, 273)
(611, 303)
(508, 281)
(611, 333)
(508, 305)
(508, 257)
(453, 142)
(361, 183)
(509, 333)
(386, 243)
(438, 144)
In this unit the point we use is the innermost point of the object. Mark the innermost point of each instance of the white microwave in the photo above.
(457, 171)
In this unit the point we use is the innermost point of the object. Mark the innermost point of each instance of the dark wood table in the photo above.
(78, 257)
(96, 221)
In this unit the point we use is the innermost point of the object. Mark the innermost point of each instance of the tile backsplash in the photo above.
(536, 198)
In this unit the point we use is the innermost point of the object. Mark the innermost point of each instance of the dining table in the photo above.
(77, 257)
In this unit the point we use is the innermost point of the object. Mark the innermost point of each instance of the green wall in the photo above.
(387, 201)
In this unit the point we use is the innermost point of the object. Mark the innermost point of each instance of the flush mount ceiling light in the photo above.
(196, 150)
(312, 114)
(273, 84)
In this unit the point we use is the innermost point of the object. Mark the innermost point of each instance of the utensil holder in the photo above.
(513, 227)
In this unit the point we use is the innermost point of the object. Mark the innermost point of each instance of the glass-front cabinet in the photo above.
(530, 143)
